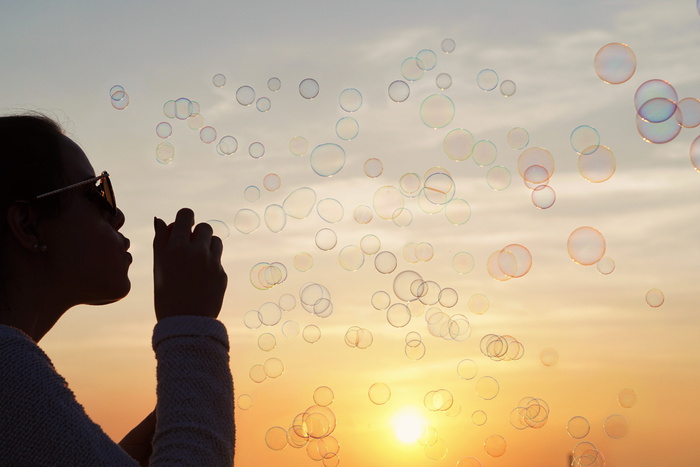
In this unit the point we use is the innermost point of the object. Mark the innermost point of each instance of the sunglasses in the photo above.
(103, 189)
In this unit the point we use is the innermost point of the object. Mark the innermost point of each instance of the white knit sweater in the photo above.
(42, 424)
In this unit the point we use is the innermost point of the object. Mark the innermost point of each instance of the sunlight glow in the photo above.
(408, 425)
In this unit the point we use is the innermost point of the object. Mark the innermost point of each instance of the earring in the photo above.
(41, 247)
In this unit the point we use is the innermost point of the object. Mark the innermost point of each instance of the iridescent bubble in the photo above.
(498, 178)
(347, 128)
(311, 333)
(439, 188)
(323, 396)
(479, 304)
(507, 88)
(659, 133)
(195, 122)
(184, 108)
(448, 45)
(463, 262)
(484, 153)
(403, 283)
(412, 69)
(402, 217)
(116, 92)
(263, 104)
(373, 167)
(443, 81)
(275, 218)
(299, 203)
(266, 342)
(399, 91)
(227, 145)
(458, 144)
(695, 153)
(426, 59)
(606, 265)
(272, 182)
(298, 146)
(219, 228)
(380, 300)
(164, 130)
(549, 356)
(363, 214)
(515, 260)
(467, 369)
(245, 95)
(207, 134)
(274, 84)
(578, 427)
(385, 262)
(495, 445)
(543, 197)
(330, 210)
(219, 80)
(350, 100)
(256, 150)
(615, 63)
(458, 211)
(398, 315)
(536, 156)
(616, 426)
(690, 110)
(308, 88)
(170, 109)
(597, 166)
(487, 80)
(437, 111)
(326, 239)
(370, 244)
(651, 90)
(654, 298)
(303, 261)
(251, 193)
(627, 398)
(410, 184)
(290, 329)
(120, 100)
(585, 139)
(387, 201)
(351, 258)
(246, 221)
(165, 153)
(327, 159)
(586, 245)
(379, 393)
(518, 138)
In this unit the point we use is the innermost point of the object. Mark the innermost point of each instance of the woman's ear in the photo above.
(22, 221)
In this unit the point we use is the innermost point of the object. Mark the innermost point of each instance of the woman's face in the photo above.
(87, 254)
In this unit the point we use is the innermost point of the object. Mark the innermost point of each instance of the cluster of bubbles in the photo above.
(512, 261)
(531, 412)
(501, 348)
(118, 97)
(358, 337)
(264, 275)
(311, 430)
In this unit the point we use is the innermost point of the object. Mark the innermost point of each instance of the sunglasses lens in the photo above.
(108, 193)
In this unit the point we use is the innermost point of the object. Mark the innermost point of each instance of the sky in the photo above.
(64, 58)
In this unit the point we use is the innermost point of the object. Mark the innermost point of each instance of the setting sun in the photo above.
(408, 425)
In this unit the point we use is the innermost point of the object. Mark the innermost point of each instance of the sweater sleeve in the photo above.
(195, 393)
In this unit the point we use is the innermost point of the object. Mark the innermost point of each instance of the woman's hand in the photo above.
(187, 272)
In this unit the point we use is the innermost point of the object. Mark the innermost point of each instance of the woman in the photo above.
(60, 246)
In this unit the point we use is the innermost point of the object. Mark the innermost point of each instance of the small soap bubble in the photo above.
(252, 319)
(273, 368)
(597, 166)
(308, 88)
(387, 201)
(414, 350)
(487, 387)
(207, 134)
(549, 356)
(518, 138)
(263, 104)
(290, 329)
(695, 153)
(256, 150)
(165, 153)
(398, 315)
(373, 167)
(272, 182)
(467, 369)
(257, 373)
(426, 59)
(220, 228)
(410, 184)
(311, 333)
(385, 262)
(690, 109)
(370, 244)
(543, 197)
(402, 217)
(479, 417)
(164, 130)
(654, 298)
(116, 92)
(487, 79)
(586, 245)
(495, 445)
(246, 221)
(659, 133)
(412, 69)
(463, 262)
(298, 146)
(380, 300)
(245, 95)
(326, 239)
(219, 80)
(323, 396)
(275, 218)
(379, 393)
(443, 81)
(299, 203)
(448, 45)
(507, 88)
(330, 210)
(266, 342)
(616, 426)
(351, 258)
(606, 265)
(303, 261)
(347, 128)
(437, 111)
(170, 109)
(578, 427)
(615, 63)
(363, 214)
(657, 110)
(484, 153)
(627, 398)
(274, 84)
(350, 100)
(276, 438)
(327, 159)
(498, 178)
(585, 139)
(251, 193)
(458, 211)
(244, 402)
(399, 91)
(195, 122)
(120, 100)
(227, 145)
(439, 187)
(184, 108)
(458, 144)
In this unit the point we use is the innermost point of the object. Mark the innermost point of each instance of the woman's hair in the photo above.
(30, 164)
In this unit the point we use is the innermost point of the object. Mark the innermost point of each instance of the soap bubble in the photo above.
(326, 239)
(370, 244)
(251, 193)
(272, 182)
(244, 402)
(463, 262)
(627, 398)
(498, 178)
(347, 128)
(586, 245)
(654, 298)
(484, 153)
(399, 91)
(448, 45)
(385, 262)
(219, 80)
(263, 104)
(616, 426)
(274, 84)
(350, 100)
(363, 214)
(585, 139)
(410, 183)
(578, 427)
(323, 396)
(330, 210)
(308, 88)
(379, 393)
(495, 445)
(412, 69)
(298, 146)
(487, 80)
(275, 218)
(690, 110)
(597, 166)
(299, 203)
(351, 258)
(467, 369)
(615, 63)
(207, 134)
(373, 167)
(543, 197)
(245, 95)
(256, 150)
(443, 81)
(227, 145)
(327, 159)
(311, 333)
(437, 111)
(303, 261)
(246, 221)
(164, 130)
(219, 228)
(518, 138)
(458, 144)
(549, 356)
(276, 438)
(165, 153)
(507, 88)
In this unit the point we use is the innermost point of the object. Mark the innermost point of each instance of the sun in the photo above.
(408, 425)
